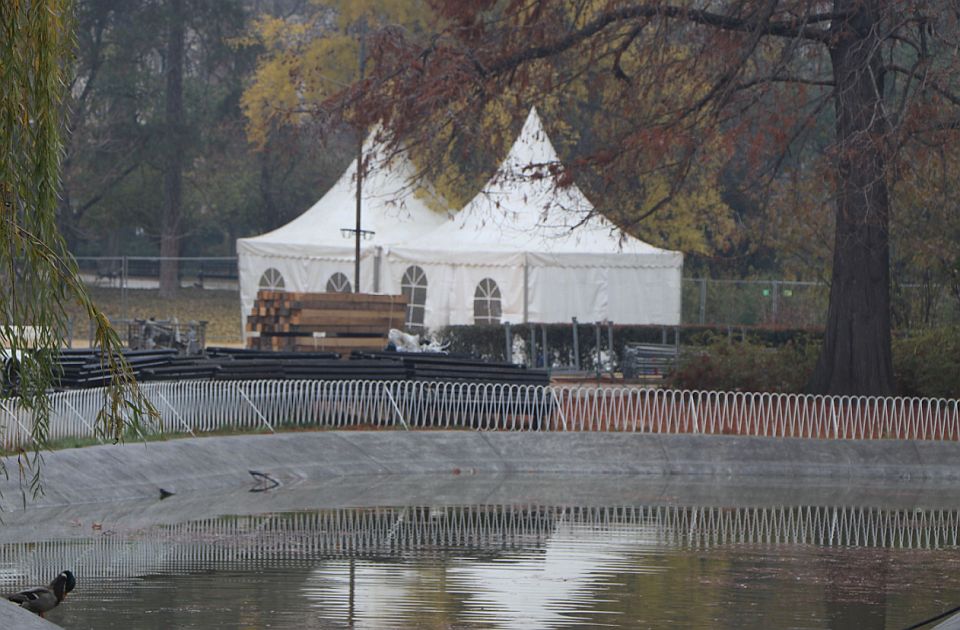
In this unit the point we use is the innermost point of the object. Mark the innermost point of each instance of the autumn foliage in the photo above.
(814, 112)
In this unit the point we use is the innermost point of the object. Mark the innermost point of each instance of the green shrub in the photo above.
(925, 365)
(722, 364)
(928, 363)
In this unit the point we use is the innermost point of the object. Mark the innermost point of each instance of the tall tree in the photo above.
(847, 85)
(173, 163)
(120, 140)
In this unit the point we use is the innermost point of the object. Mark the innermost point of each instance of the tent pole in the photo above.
(533, 346)
(610, 344)
(576, 346)
(357, 233)
(596, 329)
(543, 346)
(526, 290)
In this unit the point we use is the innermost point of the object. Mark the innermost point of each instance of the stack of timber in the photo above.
(310, 322)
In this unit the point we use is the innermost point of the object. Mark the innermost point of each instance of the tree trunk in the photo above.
(173, 172)
(270, 214)
(66, 224)
(856, 356)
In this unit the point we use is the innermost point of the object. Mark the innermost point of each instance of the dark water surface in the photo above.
(511, 566)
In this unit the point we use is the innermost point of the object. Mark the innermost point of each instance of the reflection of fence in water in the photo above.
(200, 406)
(385, 533)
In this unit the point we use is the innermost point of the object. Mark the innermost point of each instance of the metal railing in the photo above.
(193, 407)
(397, 531)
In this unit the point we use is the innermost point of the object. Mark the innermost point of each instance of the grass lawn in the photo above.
(220, 309)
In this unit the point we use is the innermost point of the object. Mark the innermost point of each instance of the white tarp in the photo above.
(306, 252)
(551, 255)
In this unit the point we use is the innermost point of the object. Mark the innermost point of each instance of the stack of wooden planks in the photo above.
(308, 322)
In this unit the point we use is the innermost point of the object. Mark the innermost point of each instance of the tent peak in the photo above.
(532, 150)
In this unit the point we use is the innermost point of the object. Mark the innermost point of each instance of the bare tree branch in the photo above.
(794, 29)
(80, 211)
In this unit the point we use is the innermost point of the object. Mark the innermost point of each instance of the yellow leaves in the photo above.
(585, 107)
(266, 100)
(692, 218)
(925, 226)
(288, 83)
(377, 13)
(276, 33)
(308, 59)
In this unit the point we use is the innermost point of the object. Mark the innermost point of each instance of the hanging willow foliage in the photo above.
(38, 277)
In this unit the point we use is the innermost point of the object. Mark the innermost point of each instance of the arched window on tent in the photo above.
(339, 283)
(272, 280)
(414, 288)
(486, 303)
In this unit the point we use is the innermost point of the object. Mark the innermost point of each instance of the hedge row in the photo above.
(925, 364)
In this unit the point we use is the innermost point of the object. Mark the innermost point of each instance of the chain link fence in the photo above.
(754, 303)
(794, 304)
(127, 289)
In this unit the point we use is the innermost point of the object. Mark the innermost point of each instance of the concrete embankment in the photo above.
(136, 470)
(12, 617)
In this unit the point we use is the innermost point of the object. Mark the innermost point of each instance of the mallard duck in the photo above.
(43, 599)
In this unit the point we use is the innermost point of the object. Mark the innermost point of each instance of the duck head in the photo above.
(63, 584)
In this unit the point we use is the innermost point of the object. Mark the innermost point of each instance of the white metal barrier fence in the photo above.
(193, 407)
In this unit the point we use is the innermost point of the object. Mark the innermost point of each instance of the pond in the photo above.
(749, 562)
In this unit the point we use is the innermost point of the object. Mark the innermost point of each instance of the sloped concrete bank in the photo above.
(13, 617)
(132, 471)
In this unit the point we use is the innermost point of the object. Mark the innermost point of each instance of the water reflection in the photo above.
(511, 566)
(558, 586)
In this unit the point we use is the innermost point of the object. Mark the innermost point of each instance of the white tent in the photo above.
(315, 251)
(524, 250)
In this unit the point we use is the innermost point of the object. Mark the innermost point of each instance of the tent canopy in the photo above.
(521, 209)
(315, 252)
(523, 250)
(392, 208)
(541, 252)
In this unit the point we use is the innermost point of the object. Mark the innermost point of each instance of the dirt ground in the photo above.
(220, 309)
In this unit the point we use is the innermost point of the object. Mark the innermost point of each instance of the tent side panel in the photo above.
(559, 293)
(648, 295)
(624, 289)
(452, 280)
(299, 273)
